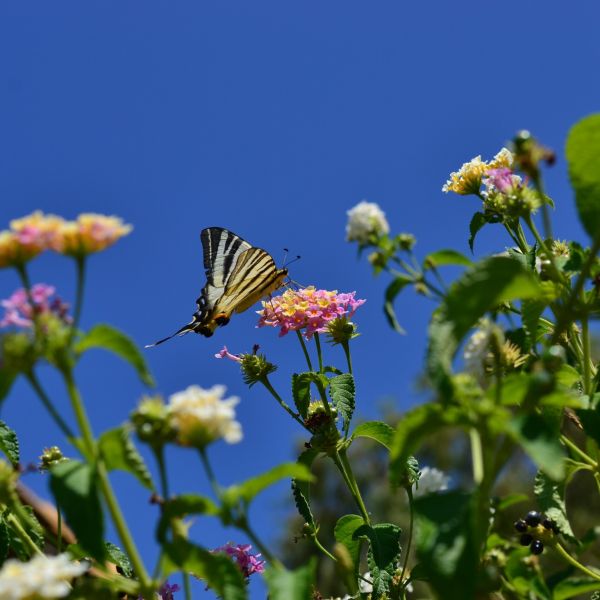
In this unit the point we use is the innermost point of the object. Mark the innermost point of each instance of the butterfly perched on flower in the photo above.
(237, 276)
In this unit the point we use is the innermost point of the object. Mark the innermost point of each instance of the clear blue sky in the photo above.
(271, 119)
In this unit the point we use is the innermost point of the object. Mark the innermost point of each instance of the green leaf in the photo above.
(301, 489)
(218, 570)
(9, 444)
(119, 558)
(383, 555)
(344, 532)
(392, 290)
(290, 585)
(181, 506)
(550, 496)
(531, 311)
(301, 392)
(74, 487)
(583, 157)
(477, 222)
(540, 440)
(445, 257)
(447, 550)
(569, 588)
(247, 490)
(482, 288)
(418, 423)
(119, 452)
(590, 419)
(376, 430)
(111, 339)
(4, 539)
(511, 500)
(343, 392)
(7, 379)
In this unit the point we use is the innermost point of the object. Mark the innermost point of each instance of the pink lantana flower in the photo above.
(19, 311)
(503, 179)
(224, 353)
(247, 563)
(308, 309)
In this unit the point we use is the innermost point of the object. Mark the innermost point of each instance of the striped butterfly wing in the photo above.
(254, 276)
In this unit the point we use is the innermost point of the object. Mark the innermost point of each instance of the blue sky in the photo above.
(271, 119)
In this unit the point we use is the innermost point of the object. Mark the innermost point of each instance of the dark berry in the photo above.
(525, 539)
(533, 518)
(537, 547)
(548, 523)
(521, 526)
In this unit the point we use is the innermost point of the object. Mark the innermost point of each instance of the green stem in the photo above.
(587, 367)
(567, 311)
(319, 353)
(547, 252)
(322, 548)
(265, 552)
(306, 355)
(80, 267)
(410, 530)
(346, 347)
(265, 381)
(577, 450)
(547, 223)
(476, 456)
(514, 238)
(340, 458)
(105, 487)
(25, 537)
(214, 484)
(186, 587)
(159, 454)
(523, 243)
(576, 563)
(39, 390)
(58, 529)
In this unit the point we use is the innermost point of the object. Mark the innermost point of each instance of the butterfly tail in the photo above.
(185, 329)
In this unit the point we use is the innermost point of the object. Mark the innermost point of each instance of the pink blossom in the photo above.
(248, 563)
(166, 591)
(502, 179)
(224, 353)
(309, 309)
(20, 313)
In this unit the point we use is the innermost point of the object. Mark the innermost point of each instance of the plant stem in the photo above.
(58, 529)
(306, 355)
(577, 450)
(216, 488)
(186, 587)
(567, 310)
(476, 456)
(80, 267)
(587, 367)
(275, 562)
(60, 422)
(319, 354)
(346, 347)
(576, 563)
(159, 454)
(548, 253)
(25, 537)
(340, 458)
(265, 381)
(410, 530)
(104, 484)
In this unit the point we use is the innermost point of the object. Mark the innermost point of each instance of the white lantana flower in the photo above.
(364, 219)
(431, 480)
(42, 577)
(477, 348)
(202, 416)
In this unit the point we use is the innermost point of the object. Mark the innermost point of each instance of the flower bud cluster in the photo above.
(536, 530)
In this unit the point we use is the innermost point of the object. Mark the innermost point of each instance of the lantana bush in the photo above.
(510, 365)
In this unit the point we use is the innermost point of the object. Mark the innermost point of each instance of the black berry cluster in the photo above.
(535, 529)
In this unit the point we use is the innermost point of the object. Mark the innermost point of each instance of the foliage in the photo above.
(514, 420)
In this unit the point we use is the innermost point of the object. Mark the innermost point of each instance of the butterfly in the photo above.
(237, 276)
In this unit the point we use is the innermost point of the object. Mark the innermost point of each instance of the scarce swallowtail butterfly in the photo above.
(237, 276)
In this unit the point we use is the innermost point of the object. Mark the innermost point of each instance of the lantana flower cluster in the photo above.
(42, 577)
(200, 416)
(307, 309)
(20, 311)
(503, 193)
(248, 563)
(34, 233)
(366, 221)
